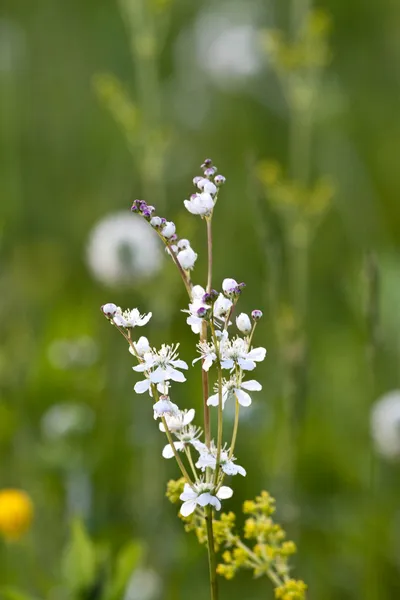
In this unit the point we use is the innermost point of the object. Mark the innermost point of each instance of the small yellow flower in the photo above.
(16, 513)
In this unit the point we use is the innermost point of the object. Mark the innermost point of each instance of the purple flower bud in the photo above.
(134, 208)
(202, 311)
(197, 179)
(207, 163)
(214, 294)
(256, 315)
(142, 206)
(151, 208)
(163, 220)
(147, 213)
(207, 298)
(219, 180)
(173, 238)
(210, 171)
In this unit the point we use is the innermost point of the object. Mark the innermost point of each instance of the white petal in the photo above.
(188, 507)
(179, 364)
(251, 385)
(120, 321)
(241, 470)
(246, 364)
(208, 361)
(213, 400)
(224, 492)
(243, 397)
(142, 386)
(204, 499)
(227, 363)
(168, 451)
(176, 375)
(158, 375)
(197, 292)
(257, 354)
(189, 416)
(140, 368)
(188, 493)
(215, 502)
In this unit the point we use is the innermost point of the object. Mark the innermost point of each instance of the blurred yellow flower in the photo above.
(16, 513)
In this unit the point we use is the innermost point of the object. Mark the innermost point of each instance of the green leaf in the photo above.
(125, 563)
(79, 560)
(10, 593)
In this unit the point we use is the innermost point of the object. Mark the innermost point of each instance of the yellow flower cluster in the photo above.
(267, 554)
(16, 513)
(270, 552)
(308, 51)
(175, 489)
(291, 590)
(293, 197)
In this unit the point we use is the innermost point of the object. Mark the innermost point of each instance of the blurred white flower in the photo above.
(385, 424)
(67, 418)
(144, 584)
(226, 43)
(122, 249)
(69, 354)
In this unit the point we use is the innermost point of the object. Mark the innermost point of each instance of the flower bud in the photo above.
(134, 207)
(183, 244)
(109, 309)
(256, 315)
(187, 258)
(207, 299)
(155, 222)
(243, 323)
(219, 180)
(210, 171)
(168, 229)
(197, 179)
(202, 312)
(207, 163)
(229, 285)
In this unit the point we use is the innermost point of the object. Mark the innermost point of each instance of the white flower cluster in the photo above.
(209, 315)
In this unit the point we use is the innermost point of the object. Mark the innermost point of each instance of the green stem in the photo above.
(190, 459)
(220, 425)
(212, 560)
(177, 457)
(235, 429)
(210, 253)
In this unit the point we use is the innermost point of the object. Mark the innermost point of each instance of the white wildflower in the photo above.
(243, 323)
(208, 459)
(179, 421)
(164, 407)
(200, 204)
(188, 435)
(232, 389)
(236, 352)
(160, 366)
(141, 347)
(202, 494)
(207, 354)
(131, 318)
(207, 186)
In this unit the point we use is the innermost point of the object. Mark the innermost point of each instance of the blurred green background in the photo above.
(105, 101)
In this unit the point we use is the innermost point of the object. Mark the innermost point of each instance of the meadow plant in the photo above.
(226, 358)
